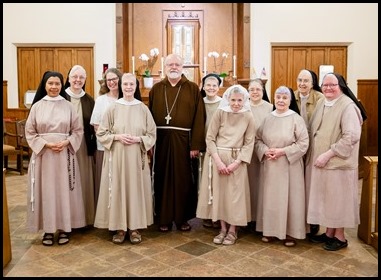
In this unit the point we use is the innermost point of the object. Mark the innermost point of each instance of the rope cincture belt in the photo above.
(210, 166)
(173, 127)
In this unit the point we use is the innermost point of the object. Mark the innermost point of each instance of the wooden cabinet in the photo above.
(32, 62)
(287, 61)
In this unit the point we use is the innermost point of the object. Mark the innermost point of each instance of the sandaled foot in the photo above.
(268, 239)
(185, 227)
(289, 242)
(164, 228)
(119, 237)
(48, 239)
(219, 238)
(63, 238)
(230, 238)
(135, 237)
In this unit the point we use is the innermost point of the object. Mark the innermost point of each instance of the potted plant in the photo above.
(146, 68)
(218, 66)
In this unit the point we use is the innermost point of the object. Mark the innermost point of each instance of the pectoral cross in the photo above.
(168, 118)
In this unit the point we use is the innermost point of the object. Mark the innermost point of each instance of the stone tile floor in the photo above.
(91, 252)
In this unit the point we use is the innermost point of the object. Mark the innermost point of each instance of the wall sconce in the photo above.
(28, 98)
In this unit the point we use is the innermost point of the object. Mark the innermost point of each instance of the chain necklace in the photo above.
(168, 117)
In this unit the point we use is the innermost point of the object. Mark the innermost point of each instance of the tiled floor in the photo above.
(91, 252)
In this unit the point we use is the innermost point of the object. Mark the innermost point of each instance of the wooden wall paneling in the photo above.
(367, 93)
(300, 58)
(32, 62)
(84, 57)
(140, 34)
(280, 65)
(337, 56)
(318, 57)
(64, 59)
(26, 71)
(287, 61)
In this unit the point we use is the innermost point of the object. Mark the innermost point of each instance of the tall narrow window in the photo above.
(183, 39)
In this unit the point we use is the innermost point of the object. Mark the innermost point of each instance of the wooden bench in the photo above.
(368, 227)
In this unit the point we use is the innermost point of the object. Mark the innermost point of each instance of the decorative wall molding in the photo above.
(182, 14)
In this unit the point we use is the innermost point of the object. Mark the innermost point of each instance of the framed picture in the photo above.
(323, 70)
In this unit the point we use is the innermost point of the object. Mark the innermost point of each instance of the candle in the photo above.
(204, 65)
(162, 67)
(133, 65)
(234, 66)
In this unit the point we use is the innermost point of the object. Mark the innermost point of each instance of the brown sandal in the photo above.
(119, 237)
(185, 227)
(268, 239)
(230, 238)
(135, 237)
(289, 242)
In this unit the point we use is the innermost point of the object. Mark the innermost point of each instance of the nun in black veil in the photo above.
(307, 93)
(332, 162)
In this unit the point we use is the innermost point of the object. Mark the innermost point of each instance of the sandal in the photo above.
(48, 239)
(185, 227)
(268, 239)
(230, 238)
(63, 238)
(289, 242)
(119, 237)
(164, 228)
(135, 237)
(219, 238)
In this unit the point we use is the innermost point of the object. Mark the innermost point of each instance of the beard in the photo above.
(174, 75)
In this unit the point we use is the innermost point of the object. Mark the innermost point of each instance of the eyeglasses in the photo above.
(78, 77)
(328, 85)
(112, 79)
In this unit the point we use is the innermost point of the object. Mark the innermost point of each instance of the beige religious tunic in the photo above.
(232, 136)
(54, 182)
(125, 196)
(332, 199)
(282, 188)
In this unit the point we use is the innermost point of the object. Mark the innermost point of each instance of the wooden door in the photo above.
(32, 62)
(287, 61)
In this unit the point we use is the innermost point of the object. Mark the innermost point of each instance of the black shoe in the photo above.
(314, 229)
(322, 238)
(335, 245)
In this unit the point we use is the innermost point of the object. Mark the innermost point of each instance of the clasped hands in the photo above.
(226, 169)
(58, 146)
(127, 139)
(274, 153)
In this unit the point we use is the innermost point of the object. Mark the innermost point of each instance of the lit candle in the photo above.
(162, 67)
(133, 65)
(204, 65)
(234, 66)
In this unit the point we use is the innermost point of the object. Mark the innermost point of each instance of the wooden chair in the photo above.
(21, 139)
(11, 147)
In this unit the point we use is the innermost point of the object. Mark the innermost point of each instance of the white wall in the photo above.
(57, 24)
(355, 24)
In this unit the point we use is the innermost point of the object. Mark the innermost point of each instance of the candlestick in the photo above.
(234, 66)
(162, 67)
(133, 65)
(205, 65)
